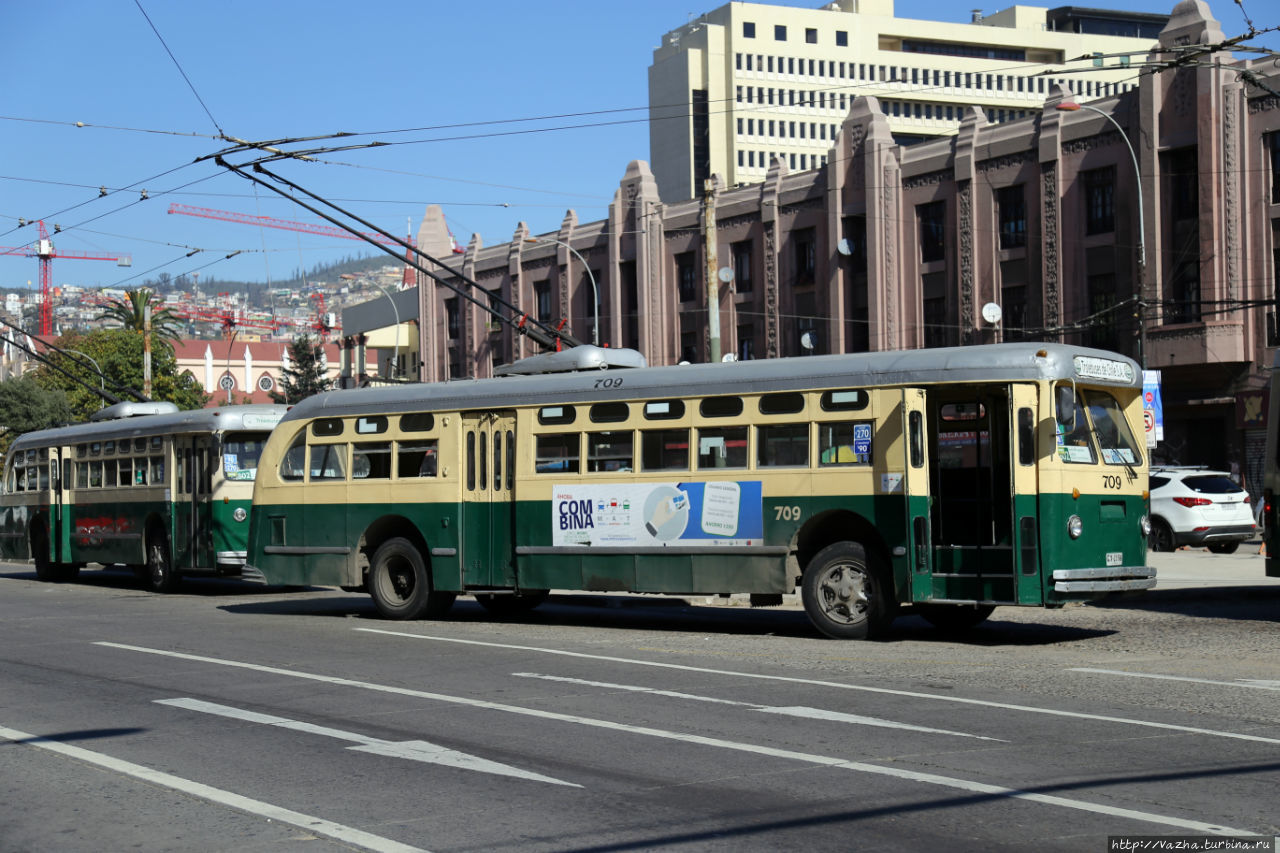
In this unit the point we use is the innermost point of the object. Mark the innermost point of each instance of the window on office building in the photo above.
(1099, 200)
(779, 32)
(810, 36)
(453, 320)
(1011, 204)
(806, 256)
(687, 275)
(742, 282)
(748, 30)
(932, 218)
(1273, 147)
(842, 39)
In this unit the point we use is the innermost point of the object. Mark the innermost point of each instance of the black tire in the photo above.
(507, 606)
(954, 617)
(1223, 547)
(845, 595)
(161, 576)
(400, 585)
(1161, 538)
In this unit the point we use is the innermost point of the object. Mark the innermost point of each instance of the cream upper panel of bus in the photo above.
(362, 457)
(792, 441)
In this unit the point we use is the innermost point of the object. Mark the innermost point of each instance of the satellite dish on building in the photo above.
(844, 247)
(807, 341)
(991, 313)
(725, 274)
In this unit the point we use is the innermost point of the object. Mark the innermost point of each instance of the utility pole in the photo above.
(711, 265)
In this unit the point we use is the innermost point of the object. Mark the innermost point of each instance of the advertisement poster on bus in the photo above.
(1152, 407)
(658, 514)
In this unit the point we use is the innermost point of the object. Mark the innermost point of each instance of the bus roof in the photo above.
(222, 419)
(983, 363)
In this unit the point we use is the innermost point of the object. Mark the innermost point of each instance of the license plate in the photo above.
(1115, 558)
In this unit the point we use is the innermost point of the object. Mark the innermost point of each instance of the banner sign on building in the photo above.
(1152, 407)
(657, 514)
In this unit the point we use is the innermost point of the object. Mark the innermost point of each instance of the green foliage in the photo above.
(305, 374)
(118, 352)
(130, 312)
(26, 406)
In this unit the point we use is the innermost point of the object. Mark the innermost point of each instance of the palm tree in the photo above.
(130, 310)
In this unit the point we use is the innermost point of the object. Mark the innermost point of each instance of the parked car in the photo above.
(1197, 506)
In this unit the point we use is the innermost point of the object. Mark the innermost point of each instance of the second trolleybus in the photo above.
(143, 485)
(946, 480)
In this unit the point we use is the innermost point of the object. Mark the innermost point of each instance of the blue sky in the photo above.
(265, 69)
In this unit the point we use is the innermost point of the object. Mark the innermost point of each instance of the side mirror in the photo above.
(1065, 406)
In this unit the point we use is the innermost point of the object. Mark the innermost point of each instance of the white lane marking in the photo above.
(1053, 712)
(320, 826)
(412, 750)
(1244, 682)
(681, 737)
(793, 711)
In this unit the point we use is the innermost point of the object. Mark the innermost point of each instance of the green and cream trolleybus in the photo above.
(946, 480)
(143, 485)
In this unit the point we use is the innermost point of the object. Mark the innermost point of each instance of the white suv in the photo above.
(1196, 506)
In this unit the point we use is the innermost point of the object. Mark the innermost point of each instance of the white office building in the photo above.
(750, 82)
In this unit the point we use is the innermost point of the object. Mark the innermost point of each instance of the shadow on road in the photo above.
(1255, 603)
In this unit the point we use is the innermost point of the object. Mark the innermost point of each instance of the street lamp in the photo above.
(101, 381)
(395, 356)
(1070, 107)
(595, 291)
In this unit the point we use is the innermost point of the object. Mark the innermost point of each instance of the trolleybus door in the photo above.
(915, 488)
(192, 546)
(59, 537)
(488, 511)
(970, 436)
(1025, 476)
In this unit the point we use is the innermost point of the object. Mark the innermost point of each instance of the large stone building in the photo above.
(1174, 262)
(735, 88)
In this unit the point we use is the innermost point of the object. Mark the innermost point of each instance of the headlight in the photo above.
(1075, 526)
(1144, 524)
(239, 514)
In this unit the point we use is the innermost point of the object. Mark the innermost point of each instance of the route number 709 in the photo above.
(786, 513)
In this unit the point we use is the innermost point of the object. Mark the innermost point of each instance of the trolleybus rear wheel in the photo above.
(953, 617)
(512, 605)
(844, 594)
(400, 586)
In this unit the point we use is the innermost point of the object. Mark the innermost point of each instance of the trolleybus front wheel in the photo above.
(400, 586)
(844, 594)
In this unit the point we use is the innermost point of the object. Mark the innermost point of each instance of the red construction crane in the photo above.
(43, 249)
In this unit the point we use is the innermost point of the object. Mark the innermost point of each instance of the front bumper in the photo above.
(1120, 579)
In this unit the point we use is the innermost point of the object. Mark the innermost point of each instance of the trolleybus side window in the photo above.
(328, 462)
(722, 447)
(609, 413)
(557, 453)
(556, 415)
(240, 455)
(610, 451)
(1026, 437)
(837, 445)
(787, 403)
(416, 458)
(371, 425)
(417, 422)
(782, 445)
(371, 460)
(664, 449)
(664, 410)
(293, 465)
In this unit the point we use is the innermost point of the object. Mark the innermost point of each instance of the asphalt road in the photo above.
(229, 717)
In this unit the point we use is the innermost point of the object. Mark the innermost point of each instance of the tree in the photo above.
(26, 406)
(130, 311)
(306, 374)
(118, 353)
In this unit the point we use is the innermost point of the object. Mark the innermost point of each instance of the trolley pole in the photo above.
(711, 265)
